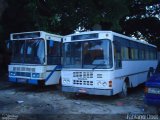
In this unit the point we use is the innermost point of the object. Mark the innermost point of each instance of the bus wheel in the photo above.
(123, 93)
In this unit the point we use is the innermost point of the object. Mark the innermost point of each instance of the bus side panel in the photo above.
(54, 78)
(136, 71)
(137, 79)
(117, 85)
(53, 74)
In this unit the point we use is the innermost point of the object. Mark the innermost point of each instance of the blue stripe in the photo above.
(32, 81)
(57, 67)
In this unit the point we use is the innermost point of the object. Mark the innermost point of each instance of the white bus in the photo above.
(105, 63)
(36, 58)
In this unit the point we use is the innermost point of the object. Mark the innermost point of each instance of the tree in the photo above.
(85, 14)
(61, 16)
(143, 21)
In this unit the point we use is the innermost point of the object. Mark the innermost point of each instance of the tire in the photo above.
(124, 91)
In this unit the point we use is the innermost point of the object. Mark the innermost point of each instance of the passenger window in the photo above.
(125, 53)
(117, 56)
(53, 52)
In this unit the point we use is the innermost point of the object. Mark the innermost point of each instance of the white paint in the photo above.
(135, 70)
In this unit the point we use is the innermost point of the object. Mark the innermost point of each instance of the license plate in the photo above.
(21, 80)
(82, 90)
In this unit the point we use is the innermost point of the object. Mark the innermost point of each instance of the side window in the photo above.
(117, 55)
(134, 53)
(53, 52)
(147, 54)
(125, 53)
(155, 53)
(141, 54)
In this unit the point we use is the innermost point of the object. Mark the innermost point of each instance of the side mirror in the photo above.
(9, 46)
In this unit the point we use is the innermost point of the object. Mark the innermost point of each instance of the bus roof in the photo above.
(112, 34)
(31, 35)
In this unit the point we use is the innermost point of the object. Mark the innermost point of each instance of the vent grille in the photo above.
(23, 69)
(81, 82)
(99, 75)
(83, 74)
(23, 74)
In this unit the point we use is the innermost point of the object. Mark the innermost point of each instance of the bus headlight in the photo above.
(104, 84)
(99, 83)
(66, 81)
(35, 75)
(12, 73)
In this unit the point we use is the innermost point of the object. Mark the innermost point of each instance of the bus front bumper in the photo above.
(91, 91)
(26, 81)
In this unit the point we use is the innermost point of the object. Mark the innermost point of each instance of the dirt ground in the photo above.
(21, 101)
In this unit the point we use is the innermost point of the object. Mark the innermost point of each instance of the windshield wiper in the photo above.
(96, 66)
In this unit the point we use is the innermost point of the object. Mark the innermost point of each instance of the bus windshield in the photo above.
(88, 54)
(28, 51)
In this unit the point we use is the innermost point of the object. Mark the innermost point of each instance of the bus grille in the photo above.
(23, 69)
(23, 74)
(81, 82)
(83, 74)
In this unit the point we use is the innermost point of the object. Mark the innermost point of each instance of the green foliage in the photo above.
(142, 22)
(88, 13)
(62, 16)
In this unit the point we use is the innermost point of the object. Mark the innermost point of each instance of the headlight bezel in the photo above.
(66, 80)
(102, 83)
(12, 73)
(35, 75)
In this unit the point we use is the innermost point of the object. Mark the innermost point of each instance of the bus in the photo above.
(36, 58)
(105, 63)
